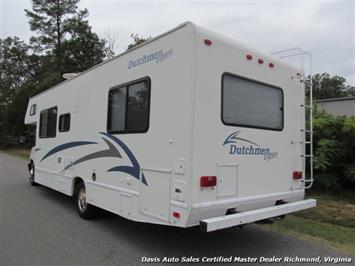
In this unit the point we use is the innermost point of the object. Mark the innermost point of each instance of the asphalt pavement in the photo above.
(39, 226)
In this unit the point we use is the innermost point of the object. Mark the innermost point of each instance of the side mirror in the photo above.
(22, 140)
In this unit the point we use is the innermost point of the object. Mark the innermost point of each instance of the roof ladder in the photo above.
(307, 105)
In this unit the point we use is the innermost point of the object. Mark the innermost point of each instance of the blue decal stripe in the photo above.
(131, 170)
(66, 146)
(232, 138)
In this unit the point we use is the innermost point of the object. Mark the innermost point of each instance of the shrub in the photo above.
(334, 151)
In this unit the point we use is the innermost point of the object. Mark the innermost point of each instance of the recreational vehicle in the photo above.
(189, 128)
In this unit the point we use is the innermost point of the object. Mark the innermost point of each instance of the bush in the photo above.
(334, 152)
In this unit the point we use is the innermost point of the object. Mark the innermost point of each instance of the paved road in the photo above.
(39, 226)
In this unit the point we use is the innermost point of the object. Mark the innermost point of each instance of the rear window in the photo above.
(248, 103)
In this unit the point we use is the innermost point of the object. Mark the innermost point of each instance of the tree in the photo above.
(325, 86)
(111, 37)
(14, 67)
(64, 42)
(51, 20)
(137, 40)
(84, 49)
(17, 67)
(63, 31)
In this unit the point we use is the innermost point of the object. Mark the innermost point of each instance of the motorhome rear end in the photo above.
(189, 126)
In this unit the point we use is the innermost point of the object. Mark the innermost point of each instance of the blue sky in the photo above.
(324, 28)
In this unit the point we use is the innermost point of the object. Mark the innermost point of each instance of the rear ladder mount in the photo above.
(307, 105)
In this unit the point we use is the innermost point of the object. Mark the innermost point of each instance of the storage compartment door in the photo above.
(155, 196)
(227, 175)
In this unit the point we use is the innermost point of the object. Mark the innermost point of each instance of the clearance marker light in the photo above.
(249, 56)
(176, 215)
(207, 42)
(271, 65)
(260, 61)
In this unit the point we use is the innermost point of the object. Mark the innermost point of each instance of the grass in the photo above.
(22, 153)
(332, 222)
(341, 238)
(336, 212)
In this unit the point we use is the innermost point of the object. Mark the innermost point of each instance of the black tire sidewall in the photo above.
(90, 211)
(32, 176)
(81, 212)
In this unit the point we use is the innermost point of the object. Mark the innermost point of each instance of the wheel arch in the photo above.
(76, 181)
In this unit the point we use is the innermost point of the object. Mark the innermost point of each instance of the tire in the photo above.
(31, 169)
(85, 210)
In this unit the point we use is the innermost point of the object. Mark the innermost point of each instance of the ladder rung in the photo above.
(308, 180)
(306, 155)
(307, 131)
(307, 106)
(307, 142)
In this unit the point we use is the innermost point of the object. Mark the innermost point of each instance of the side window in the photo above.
(48, 123)
(128, 108)
(33, 110)
(64, 122)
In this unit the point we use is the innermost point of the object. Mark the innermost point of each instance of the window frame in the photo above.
(56, 123)
(127, 84)
(59, 122)
(257, 82)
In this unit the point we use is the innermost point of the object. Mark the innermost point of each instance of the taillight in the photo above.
(297, 175)
(208, 181)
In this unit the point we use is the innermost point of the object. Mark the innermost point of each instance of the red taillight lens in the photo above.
(249, 56)
(208, 181)
(297, 175)
(176, 215)
(260, 61)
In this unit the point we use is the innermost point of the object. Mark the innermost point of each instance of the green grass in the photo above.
(332, 222)
(22, 153)
(336, 212)
(341, 238)
(346, 195)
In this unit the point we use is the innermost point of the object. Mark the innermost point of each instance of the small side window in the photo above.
(33, 110)
(48, 123)
(64, 122)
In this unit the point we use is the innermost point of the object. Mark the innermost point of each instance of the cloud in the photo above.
(325, 28)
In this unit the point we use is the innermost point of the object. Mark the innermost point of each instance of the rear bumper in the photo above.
(217, 223)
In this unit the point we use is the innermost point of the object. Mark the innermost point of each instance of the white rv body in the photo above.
(154, 176)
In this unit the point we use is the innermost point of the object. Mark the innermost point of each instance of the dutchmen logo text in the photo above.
(157, 57)
(242, 147)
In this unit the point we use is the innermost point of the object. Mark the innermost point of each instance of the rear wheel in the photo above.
(32, 174)
(85, 210)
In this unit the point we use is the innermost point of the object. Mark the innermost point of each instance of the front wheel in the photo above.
(31, 169)
(85, 210)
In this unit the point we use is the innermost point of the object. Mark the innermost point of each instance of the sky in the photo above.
(324, 28)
